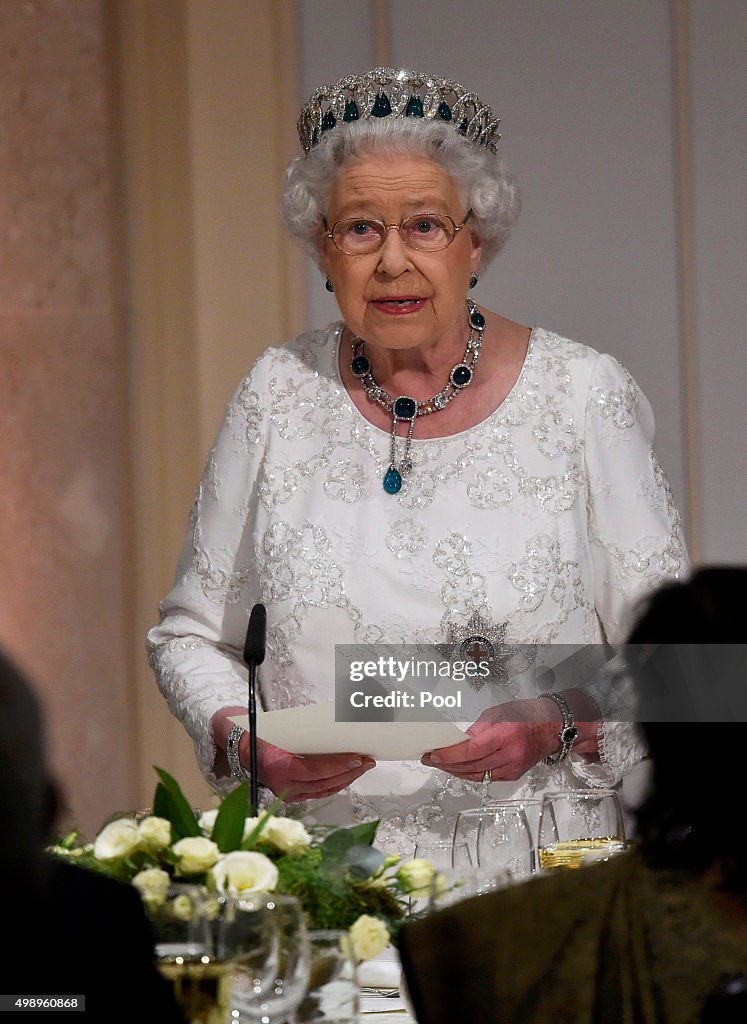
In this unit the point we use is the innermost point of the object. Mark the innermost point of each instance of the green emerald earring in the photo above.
(329, 286)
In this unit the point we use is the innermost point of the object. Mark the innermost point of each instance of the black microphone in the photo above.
(254, 647)
(254, 655)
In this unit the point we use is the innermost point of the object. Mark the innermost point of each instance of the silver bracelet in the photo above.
(568, 733)
(232, 753)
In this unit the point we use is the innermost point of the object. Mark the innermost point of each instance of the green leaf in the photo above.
(336, 846)
(363, 862)
(228, 830)
(364, 835)
(173, 805)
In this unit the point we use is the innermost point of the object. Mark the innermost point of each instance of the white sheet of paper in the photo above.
(312, 729)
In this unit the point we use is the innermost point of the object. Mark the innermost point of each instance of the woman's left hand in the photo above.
(508, 739)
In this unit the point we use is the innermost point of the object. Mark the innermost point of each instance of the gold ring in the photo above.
(487, 776)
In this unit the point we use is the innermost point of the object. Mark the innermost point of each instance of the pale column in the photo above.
(209, 107)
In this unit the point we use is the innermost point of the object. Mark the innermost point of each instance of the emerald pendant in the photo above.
(392, 481)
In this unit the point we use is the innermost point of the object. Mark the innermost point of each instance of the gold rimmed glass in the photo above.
(423, 232)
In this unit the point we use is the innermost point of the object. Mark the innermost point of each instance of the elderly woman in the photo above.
(424, 471)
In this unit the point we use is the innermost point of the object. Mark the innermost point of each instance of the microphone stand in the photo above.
(254, 655)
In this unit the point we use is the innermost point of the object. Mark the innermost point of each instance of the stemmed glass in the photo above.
(453, 867)
(500, 840)
(504, 842)
(265, 936)
(532, 807)
(333, 993)
(579, 827)
(186, 957)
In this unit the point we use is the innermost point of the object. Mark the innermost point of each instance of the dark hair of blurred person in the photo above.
(685, 821)
(66, 931)
(658, 934)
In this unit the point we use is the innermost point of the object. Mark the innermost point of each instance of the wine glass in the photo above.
(578, 827)
(453, 867)
(504, 842)
(532, 807)
(265, 936)
(333, 994)
(186, 957)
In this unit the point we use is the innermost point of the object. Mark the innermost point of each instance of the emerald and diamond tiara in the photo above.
(390, 92)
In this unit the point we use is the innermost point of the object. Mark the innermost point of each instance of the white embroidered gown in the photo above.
(552, 516)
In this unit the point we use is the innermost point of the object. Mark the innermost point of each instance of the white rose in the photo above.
(206, 821)
(155, 833)
(417, 877)
(183, 908)
(369, 936)
(245, 871)
(286, 834)
(441, 886)
(153, 885)
(195, 854)
(249, 826)
(119, 838)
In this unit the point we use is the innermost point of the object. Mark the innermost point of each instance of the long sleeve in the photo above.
(195, 651)
(636, 543)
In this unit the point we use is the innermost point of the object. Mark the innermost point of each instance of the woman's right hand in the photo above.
(312, 777)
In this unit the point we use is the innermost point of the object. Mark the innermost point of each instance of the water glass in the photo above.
(186, 957)
(579, 827)
(453, 867)
(532, 807)
(504, 842)
(333, 994)
(265, 936)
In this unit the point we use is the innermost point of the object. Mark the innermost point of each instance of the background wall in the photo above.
(142, 268)
(64, 591)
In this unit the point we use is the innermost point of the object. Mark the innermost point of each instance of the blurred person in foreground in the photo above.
(66, 930)
(658, 934)
(424, 471)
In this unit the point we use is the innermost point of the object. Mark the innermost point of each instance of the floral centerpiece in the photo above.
(341, 879)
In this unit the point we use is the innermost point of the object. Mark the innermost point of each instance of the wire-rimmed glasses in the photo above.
(423, 232)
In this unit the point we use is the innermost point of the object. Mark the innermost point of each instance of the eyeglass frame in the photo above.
(330, 233)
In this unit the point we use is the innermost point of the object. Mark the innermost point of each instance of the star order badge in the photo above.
(481, 640)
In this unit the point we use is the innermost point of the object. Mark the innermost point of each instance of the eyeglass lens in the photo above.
(422, 232)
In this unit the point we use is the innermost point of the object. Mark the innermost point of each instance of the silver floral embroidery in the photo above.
(452, 554)
(464, 594)
(542, 575)
(406, 537)
(346, 481)
(277, 486)
(248, 410)
(655, 489)
(555, 435)
(617, 405)
(489, 489)
(300, 562)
